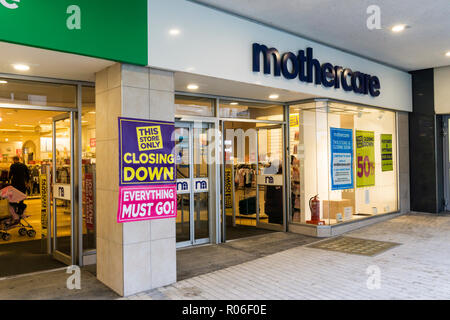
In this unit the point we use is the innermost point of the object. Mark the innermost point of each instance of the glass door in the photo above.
(194, 167)
(270, 178)
(63, 201)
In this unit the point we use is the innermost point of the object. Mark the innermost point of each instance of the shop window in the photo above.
(346, 156)
(194, 106)
(88, 147)
(250, 110)
(37, 93)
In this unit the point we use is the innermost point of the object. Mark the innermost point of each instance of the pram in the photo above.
(12, 214)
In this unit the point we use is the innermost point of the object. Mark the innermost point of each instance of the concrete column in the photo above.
(403, 160)
(135, 256)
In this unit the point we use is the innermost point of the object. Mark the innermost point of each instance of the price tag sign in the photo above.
(365, 158)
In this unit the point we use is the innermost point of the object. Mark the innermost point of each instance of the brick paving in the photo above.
(416, 269)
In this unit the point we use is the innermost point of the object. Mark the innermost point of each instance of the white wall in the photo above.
(442, 90)
(216, 44)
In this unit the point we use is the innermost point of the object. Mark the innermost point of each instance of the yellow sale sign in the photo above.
(365, 158)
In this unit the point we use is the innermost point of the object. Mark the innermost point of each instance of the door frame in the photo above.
(58, 255)
(268, 124)
(191, 124)
(272, 226)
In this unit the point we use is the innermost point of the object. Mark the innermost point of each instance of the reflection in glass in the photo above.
(250, 110)
(183, 218)
(201, 215)
(194, 106)
(182, 152)
(270, 167)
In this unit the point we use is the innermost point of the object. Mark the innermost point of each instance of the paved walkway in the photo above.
(417, 269)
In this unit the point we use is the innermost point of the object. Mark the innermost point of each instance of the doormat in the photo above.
(354, 246)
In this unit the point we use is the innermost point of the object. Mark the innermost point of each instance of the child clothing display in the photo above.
(245, 176)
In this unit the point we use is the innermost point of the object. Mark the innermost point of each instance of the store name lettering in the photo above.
(304, 66)
(269, 180)
(182, 186)
(201, 185)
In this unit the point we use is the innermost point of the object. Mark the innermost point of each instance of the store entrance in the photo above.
(254, 187)
(40, 143)
(195, 166)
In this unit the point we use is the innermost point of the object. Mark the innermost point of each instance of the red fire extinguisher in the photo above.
(314, 206)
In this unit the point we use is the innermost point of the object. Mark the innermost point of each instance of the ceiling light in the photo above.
(274, 96)
(234, 103)
(174, 32)
(21, 67)
(447, 53)
(1, 119)
(398, 28)
(192, 87)
(3, 81)
(91, 112)
(6, 139)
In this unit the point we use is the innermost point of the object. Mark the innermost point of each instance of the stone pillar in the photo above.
(135, 256)
(403, 161)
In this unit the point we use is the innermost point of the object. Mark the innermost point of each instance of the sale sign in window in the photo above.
(341, 158)
(147, 187)
(386, 153)
(365, 158)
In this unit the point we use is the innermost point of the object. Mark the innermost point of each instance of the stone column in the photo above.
(135, 256)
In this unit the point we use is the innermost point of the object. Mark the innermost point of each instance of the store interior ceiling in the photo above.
(343, 25)
(19, 124)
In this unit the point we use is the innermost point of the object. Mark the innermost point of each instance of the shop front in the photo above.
(47, 125)
(265, 140)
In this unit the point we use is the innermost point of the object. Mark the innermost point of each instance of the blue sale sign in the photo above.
(341, 158)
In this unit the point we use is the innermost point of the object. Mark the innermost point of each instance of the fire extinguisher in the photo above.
(314, 206)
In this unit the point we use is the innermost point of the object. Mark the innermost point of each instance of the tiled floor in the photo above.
(417, 269)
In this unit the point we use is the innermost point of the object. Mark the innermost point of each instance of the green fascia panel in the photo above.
(109, 29)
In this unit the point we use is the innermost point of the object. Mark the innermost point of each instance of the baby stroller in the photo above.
(12, 214)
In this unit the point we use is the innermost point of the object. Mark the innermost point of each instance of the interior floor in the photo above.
(238, 232)
(25, 257)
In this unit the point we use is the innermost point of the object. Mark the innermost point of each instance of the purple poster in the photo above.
(147, 182)
(145, 151)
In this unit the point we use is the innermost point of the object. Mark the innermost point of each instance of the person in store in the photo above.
(19, 177)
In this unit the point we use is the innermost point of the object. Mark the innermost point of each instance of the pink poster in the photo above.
(144, 203)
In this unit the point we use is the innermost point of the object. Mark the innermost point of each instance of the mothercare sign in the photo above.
(147, 170)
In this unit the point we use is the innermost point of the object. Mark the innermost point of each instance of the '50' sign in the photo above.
(8, 5)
